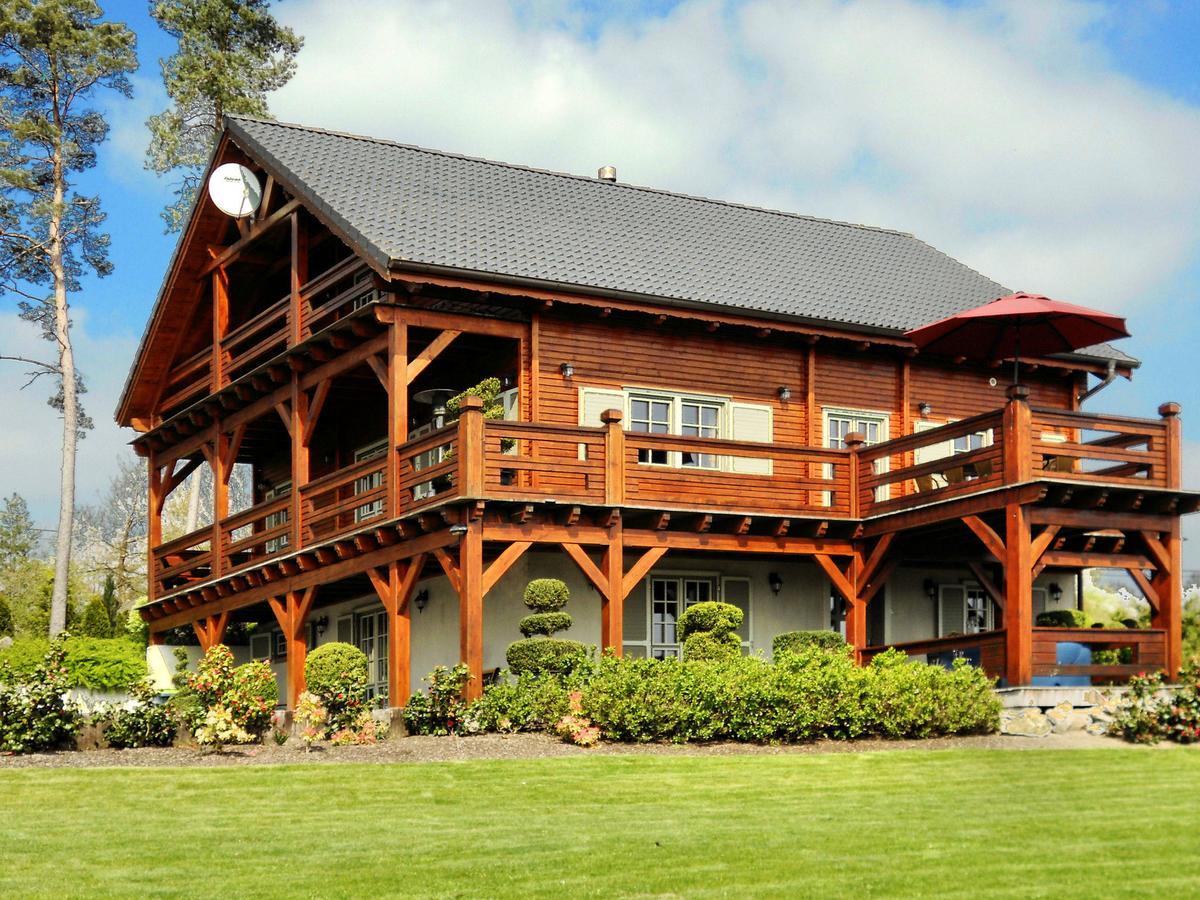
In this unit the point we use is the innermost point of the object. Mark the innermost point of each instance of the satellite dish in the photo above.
(234, 190)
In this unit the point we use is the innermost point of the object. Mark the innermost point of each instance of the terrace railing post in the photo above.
(853, 441)
(1017, 436)
(470, 449)
(1168, 581)
(614, 457)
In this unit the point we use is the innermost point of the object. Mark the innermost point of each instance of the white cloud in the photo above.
(31, 435)
(1000, 133)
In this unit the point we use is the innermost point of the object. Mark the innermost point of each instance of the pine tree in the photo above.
(55, 55)
(95, 620)
(110, 604)
(231, 54)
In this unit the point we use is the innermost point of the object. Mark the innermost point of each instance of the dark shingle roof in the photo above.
(408, 205)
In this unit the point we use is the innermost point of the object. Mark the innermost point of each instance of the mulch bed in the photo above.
(511, 746)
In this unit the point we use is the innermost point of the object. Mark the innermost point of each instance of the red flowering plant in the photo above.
(245, 695)
(1150, 711)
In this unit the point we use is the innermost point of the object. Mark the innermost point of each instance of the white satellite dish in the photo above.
(235, 190)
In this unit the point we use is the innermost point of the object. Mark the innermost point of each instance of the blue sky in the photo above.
(1051, 145)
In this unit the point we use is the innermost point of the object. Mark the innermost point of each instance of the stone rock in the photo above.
(1060, 716)
(1097, 728)
(5, 642)
(1094, 697)
(1026, 722)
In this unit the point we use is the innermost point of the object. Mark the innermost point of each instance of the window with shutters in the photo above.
(651, 616)
(964, 609)
(685, 415)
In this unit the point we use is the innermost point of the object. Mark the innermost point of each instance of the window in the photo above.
(369, 482)
(260, 646)
(373, 642)
(275, 519)
(873, 426)
(964, 609)
(280, 646)
(700, 420)
(651, 618)
(651, 416)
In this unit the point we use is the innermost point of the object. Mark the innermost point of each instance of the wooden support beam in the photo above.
(315, 405)
(470, 607)
(419, 362)
(379, 367)
(1073, 560)
(590, 570)
(986, 535)
(1018, 596)
(640, 569)
(394, 585)
(986, 583)
(781, 527)
(1043, 541)
(502, 563)
(1147, 588)
(291, 612)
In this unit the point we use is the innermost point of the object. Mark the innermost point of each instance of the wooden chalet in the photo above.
(701, 401)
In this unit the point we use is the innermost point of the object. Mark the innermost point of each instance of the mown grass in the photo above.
(956, 823)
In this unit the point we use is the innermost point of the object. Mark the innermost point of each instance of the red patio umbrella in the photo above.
(1018, 323)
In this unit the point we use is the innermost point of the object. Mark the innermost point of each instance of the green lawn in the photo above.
(1079, 823)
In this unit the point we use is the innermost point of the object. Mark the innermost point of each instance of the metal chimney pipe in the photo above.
(607, 173)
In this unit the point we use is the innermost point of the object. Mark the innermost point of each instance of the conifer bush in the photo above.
(540, 652)
(709, 630)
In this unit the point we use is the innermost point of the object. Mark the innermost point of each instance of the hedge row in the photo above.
(99, 664)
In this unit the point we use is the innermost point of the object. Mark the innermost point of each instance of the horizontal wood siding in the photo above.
(956, 392)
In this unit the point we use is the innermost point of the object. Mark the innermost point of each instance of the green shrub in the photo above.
(709, 645)
(6, 619)
(1150, 712)
(440, 711)
(793, 641)
(544, 623)
(254, 695)
(545, 656)
(546, 594)
(34, 714)
(1063, 618)
(98, 664)
(533, 702)
(143, 723)
(96, 623)
(710, 616)
(237, 703)
(337, 673)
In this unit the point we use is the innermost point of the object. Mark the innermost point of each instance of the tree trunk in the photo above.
(70, 434)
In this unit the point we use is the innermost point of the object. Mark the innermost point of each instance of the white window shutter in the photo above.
(736, 591)
(345, 629)
(952, 609)
(931, 452)
(593, 401)
(750, 422)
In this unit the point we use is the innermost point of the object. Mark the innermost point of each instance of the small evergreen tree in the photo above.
(540, 652)
(95, 620)
(112, 606)
(6, 619)
(18, 536)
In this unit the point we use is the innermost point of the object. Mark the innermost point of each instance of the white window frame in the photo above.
(948, 447)
(263, 642)
(883, 419)
(373, 450)
(277, 518)
(968, 588)
(377, 666)
(718, 581)
(676, 402)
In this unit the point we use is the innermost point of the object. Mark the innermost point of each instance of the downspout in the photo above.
(1109, 377)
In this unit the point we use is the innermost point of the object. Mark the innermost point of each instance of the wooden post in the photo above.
(300, 459)
(220, 323)
(1168, 582)
(853, 441)
(397, 412)
(1018, 595)
(614, 457)
(395, 585)
(612, 603)
(470, 604)
(219, 462)
(470, 449)
(1018, 436)
(291, 612)
(299, 278)
(154, 505)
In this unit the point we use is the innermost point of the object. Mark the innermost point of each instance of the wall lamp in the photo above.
(321, 624)
(930, 587)
(925, 408)
(421, 600)
(785, 393)
(1055, 590)
(568, 370)
(776, 582)
(458, 530)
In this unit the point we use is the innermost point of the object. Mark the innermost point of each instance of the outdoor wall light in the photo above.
(930, 587)
(458, 530)
(775, 581)
(568, 370)
(322, 623)
(421, 600)
(785, 393)
(925, 408)
(1055, 591)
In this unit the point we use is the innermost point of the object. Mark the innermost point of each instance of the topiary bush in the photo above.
(540, 653)
(794, 641)
(708, 630)
(1063, 618)
(545, 656)
(337, 673)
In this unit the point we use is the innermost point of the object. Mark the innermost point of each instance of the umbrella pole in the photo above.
(1017, 359)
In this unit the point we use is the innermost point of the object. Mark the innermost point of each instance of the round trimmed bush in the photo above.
(710, 616)
(794, 641)
(334, 669)
(546, 594)
(710, 645)
(545, 623)
(1063, 618)
(543, 655)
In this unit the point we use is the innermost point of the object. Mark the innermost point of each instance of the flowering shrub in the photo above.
(363, 730)
(337, 673)
(1148, 715)
(35, 714)
(440, 711)
(310, 717)
(237, 702)
(140, 723)
(575, 727)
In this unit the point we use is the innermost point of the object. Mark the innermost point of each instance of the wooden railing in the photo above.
(344, 500)
(1147, 646)
(261, 336)
(428, 469)
(181, 560)
(987, 650)
(189, 380)
(255, 534)
(332, 295)
(1107, 449)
